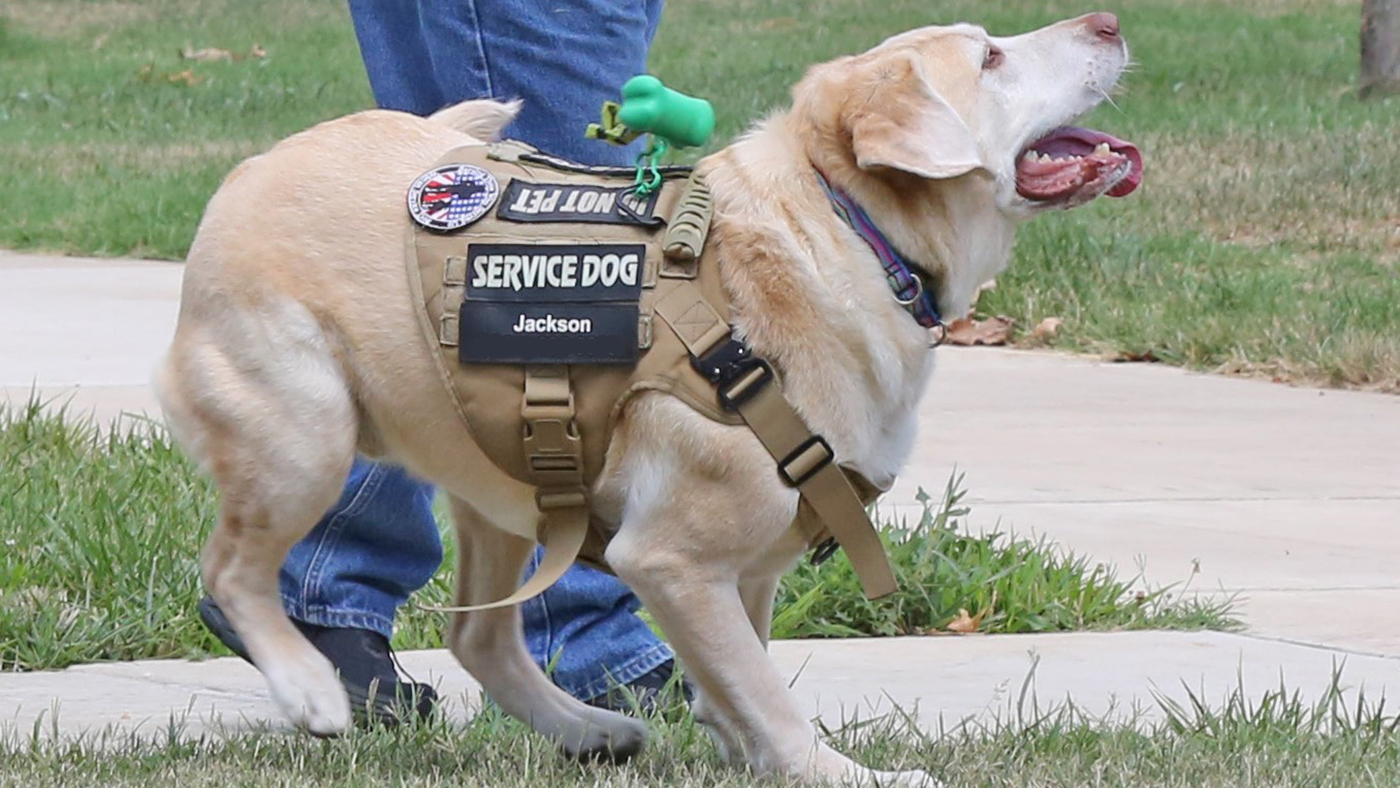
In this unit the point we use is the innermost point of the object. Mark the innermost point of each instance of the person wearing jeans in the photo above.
(344, 582)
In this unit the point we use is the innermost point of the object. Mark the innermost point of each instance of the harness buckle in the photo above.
(735, 371)
(560, 498)
(805, 461)
(824, 551)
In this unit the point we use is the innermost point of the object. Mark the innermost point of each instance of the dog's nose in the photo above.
(1102, 24)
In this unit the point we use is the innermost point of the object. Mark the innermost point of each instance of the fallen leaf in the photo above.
(1133, 356)
(964, 624)
(186, 77)
(207, 53)
(1046, 329)
(968, 331)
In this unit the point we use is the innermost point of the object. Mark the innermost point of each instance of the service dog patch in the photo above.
(526, 201)
(551, 303)
(451, 197)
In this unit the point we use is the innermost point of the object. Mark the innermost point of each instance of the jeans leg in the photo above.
(396, 55)
(380, 542)
(564, 59)
(373, 549)
(585, 631)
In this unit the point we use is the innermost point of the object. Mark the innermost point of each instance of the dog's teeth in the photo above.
(1102, 148)
(1030, 156)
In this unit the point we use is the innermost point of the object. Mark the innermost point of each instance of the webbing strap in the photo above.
(805, 461)
(554, 453)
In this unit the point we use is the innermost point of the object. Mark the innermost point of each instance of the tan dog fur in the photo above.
(296, 349)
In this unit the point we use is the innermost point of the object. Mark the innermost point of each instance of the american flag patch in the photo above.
(452, 196)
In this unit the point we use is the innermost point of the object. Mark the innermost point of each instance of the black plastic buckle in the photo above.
(815, 440)
(824, 551)
(729, 364)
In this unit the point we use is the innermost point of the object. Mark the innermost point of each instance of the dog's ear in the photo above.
(900, 121)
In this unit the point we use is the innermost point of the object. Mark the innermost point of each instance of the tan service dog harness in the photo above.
(547, 419)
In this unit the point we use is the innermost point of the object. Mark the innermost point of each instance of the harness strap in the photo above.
(805, 460)
(554, 451)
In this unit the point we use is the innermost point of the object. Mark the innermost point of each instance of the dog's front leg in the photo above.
(699, 605)
(757, 594)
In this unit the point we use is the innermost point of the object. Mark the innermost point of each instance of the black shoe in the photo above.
(659, 690)
(361, 657)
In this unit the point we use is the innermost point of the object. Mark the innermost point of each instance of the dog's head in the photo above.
(953, 116)
(942, 102)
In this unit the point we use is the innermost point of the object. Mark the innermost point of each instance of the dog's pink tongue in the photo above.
(1076, 158)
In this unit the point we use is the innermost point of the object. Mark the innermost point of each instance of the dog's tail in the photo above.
(481, 118)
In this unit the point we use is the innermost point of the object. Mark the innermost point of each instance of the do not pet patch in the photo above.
(452, 196)
(527, 201)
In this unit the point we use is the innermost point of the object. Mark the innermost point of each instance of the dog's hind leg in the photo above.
(489, 644)
(259, 399)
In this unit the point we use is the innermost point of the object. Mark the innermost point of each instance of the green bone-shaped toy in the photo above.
(650, 107)
(672, 119)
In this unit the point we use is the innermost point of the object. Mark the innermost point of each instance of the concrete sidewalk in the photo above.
(941, 682)
(1288, 497)
(85, 331)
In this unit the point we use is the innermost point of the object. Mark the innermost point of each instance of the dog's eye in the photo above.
(993, 59)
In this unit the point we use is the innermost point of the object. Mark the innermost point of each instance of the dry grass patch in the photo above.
(1364, 360)
(58, 19)
(1312, 190)
(65, 19)
(66, 161)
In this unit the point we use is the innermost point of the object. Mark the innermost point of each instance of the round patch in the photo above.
(452, 196)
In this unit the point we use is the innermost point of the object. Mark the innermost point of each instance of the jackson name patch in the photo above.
(512, 333)
(538, 273)
(525, 201)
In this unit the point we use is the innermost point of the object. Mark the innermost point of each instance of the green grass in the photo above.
(1274, 740)
(102, 532)
(1265, 240)
(1011, 584)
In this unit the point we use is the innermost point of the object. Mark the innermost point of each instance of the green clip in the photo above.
(610, 129)
(648, 176)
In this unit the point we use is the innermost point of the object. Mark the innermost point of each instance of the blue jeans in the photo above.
(379, 543)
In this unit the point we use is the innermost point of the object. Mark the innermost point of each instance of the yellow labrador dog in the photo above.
(295, 350)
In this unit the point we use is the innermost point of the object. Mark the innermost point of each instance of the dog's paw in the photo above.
(311, 697)
(835, 768)
(913, 778)
(604, 736)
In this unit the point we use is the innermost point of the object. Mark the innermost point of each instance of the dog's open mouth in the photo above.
(1071, 165)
